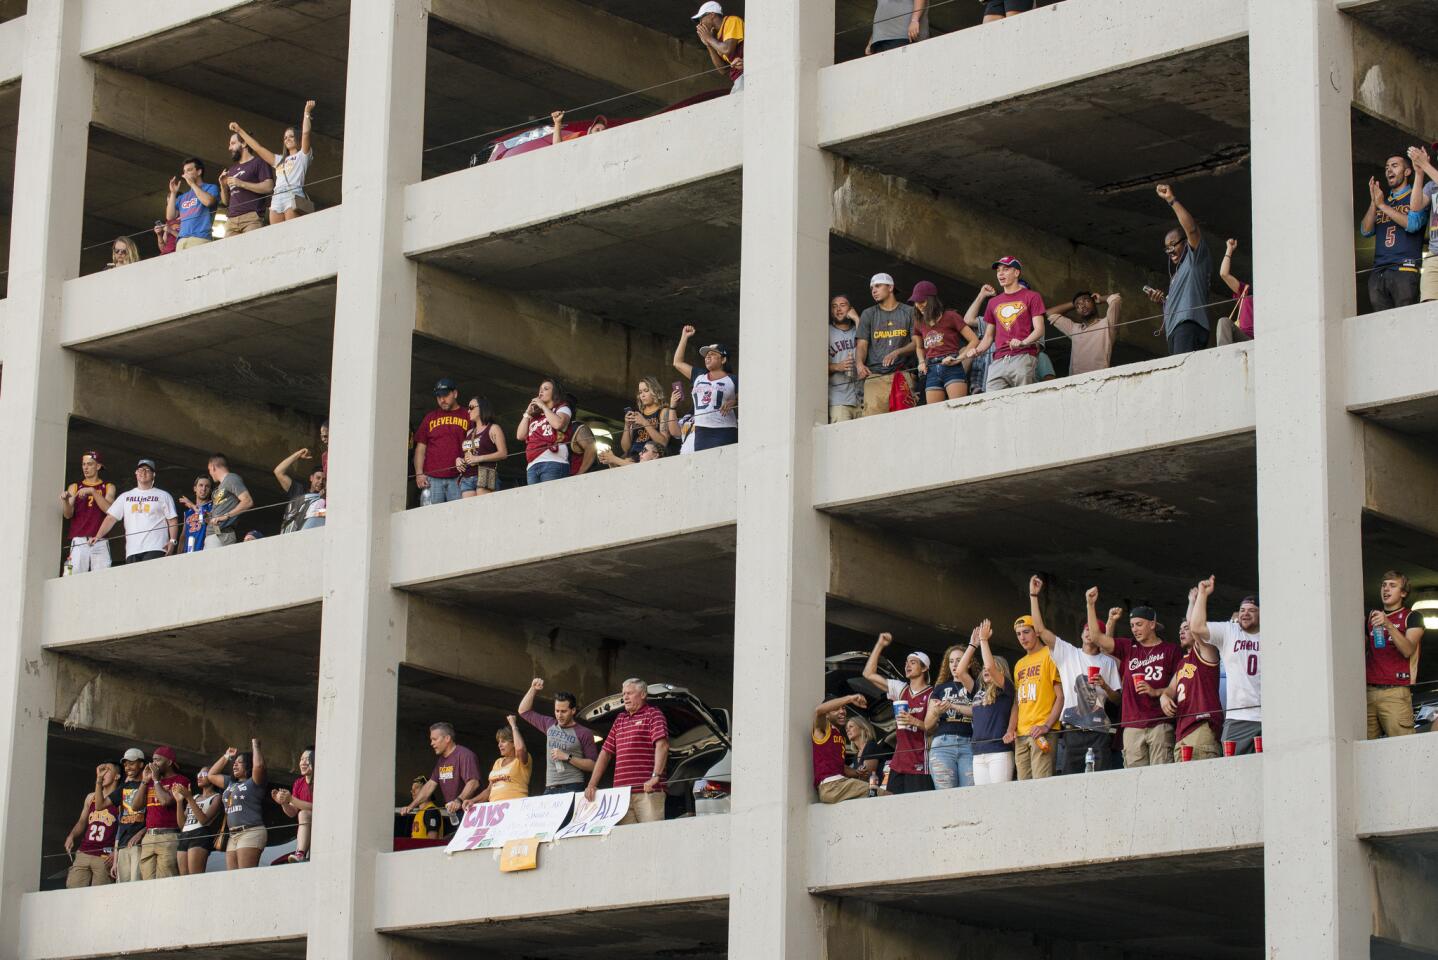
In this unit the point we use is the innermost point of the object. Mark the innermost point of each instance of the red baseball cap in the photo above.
(1014, 262)
(923, 290)
(167, 752)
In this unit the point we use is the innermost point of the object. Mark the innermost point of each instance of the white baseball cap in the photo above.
(920, 656)
(881, 278)
(708, 7)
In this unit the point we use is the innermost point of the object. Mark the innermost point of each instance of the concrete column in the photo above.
(780, 587)
(363, 636)
(34, 407)
(1310, 481)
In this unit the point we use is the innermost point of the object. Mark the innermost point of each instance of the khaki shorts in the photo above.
(843, 412)
(1204, 743)
(244, 223)
(644, 807)
(1148, 746)
(1428, 281)
(1390, 711)
(248, 838)
(188, 242)
(88, 870)
(837, 791)
(1032, 762)
(876, 392)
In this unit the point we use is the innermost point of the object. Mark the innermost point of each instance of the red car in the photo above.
(535, 138)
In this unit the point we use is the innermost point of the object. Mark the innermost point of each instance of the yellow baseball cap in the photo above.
(1024, 621)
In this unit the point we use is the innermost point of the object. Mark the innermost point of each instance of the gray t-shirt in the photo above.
(886, 331)
(576, 740)
(244, 802)
(845, 389)
(891, 20)
(1189, 288)
(225, 499)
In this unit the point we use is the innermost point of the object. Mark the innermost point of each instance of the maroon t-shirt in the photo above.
(631, 743)
(303, 790)
(1197, 696)
(942, 339)
(100, 827)
(909, 744)
(158, 815)
(1154, 664)
(1012, 317)
(451, 773)
(442, 433)
(253, 170)
(828, 755)
(1386, 666)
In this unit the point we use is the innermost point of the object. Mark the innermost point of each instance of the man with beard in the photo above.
(1238, 645)
(160, 847)
(307, 505)
(245, 187)
(1090, 336)
(1397, 230)
(1190, 268)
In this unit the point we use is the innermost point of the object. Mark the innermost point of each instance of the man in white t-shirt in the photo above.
(1090, 678)
(152, 527)
(1237, 643)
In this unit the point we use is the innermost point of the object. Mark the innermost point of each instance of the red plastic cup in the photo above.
(1229, 747)
(1093, 673)
(1185, 752)
(1257, 744)
(1137, 679)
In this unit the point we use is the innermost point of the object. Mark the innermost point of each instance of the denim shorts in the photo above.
(940, 376)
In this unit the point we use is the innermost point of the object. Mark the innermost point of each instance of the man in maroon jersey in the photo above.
(1191, 697)
(159, 850)
(1146, 664)
(1391, 659)
(438, 443)
(84, 505)
(638, 746)
(909, 769)
(96, 831)
(835, 780)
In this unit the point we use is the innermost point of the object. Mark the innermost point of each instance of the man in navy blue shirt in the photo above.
(1398, 232)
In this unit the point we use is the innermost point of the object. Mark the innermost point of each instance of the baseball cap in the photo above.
(718, 348)
(445, 385)
(93, 455)
(1014, 262)
(923, 290)
(881, 278)
(167, 752)
(134, 753)
(709, 7)
(1252, 600)
(146, 462)
(1024, 621)
(1144, 613)
(920, 656)
(255, 533)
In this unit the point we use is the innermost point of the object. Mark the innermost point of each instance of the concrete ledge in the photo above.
(165, 914)
(111, 23)
(1392, 801)
(871, 95)
(12, 50)
(229, 272)
(678, 495)
(1158, 403)
(243, 579)
(1374, 380)
(630, 161)
(1019, 826)
(581, 876)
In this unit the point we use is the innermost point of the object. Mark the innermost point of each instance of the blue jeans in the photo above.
(440, 490)
(951, 761)
(543, 472)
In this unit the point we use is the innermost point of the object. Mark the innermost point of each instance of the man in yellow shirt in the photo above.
(1041, 698)
(509, 777)
(723, 38)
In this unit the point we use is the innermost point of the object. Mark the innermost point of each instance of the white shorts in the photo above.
(84, 558)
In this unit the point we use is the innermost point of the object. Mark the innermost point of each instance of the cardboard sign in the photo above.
(489, 825)
(599, 817)
(519, 855)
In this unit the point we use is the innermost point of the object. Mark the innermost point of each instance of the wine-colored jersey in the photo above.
(828, 755)
(1197, 696)
(100, 826)
(88, 516)
(1386, 665)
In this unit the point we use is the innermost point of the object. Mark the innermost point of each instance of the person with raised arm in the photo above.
(242, 778)
(951, 751)
(714, 393)
(290, 168)
(834, 779)
(1146, 666)
(570, 747)
(1240, 646)
(1090, 681)
(1242, 290)
(995, 712)
(1191, 697)
(1185, 305)
(909, 770)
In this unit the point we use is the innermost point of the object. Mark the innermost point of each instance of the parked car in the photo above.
(539, 137)
(698, 743)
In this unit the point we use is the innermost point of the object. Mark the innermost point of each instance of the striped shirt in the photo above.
(631, 742)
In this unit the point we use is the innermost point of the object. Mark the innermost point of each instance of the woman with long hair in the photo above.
(937, 332)
(645, 420)
(244, 795)
(995, 713)
(123, 252)
(951, 751)
(289, 199)
(483, 450)
(201, 827)
(542, 429)
(869, 752)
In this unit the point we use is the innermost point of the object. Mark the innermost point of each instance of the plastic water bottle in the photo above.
(1380, 638)
(1088, 761)
(190, 543)
(874, 784)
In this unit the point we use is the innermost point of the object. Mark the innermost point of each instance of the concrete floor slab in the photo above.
(1405, 21)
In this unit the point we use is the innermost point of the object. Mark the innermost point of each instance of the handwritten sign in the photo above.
(596, 818)
(489, 825)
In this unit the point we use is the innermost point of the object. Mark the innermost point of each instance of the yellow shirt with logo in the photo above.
(509, 779)
(1034, 679)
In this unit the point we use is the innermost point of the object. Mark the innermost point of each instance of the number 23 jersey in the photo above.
(1155, 665)
(709, 397)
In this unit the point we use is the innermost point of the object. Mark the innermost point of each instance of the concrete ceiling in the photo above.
(1143, 528)
(613, 592)
(1208, 907)
(1081, 160)
(656, 262)
(273, 350)
(1406, 21)
(694, 931)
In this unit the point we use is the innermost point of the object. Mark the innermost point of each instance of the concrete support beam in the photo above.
(874, 94)
(212, 586)
(111, 23)
(1310, 482)
(39, 384)
(363, 635)
(206, 278)
(1393, 81)
(405, 882)
(1142, 406)
(686, 494)
(1390, 807)
(627, 162)
(781, 582)
(959, 238)
(1399, 476)
(919, 840)
(48, 927)
(135, 401)
(597, 356)
(586, 40)
(184, 124)
(1365, 343)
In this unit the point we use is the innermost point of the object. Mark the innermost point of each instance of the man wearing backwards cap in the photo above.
(1041, 699)
(723, 39)
(1146, 665)
(84, 505)
(152, 527)
(885, 344)
(908, 771)
(160, 848)
(1014, 324)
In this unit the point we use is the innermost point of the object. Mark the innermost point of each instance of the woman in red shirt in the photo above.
(937, 333)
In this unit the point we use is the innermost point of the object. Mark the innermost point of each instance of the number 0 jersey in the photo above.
(1243, 667)
(709, 397)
